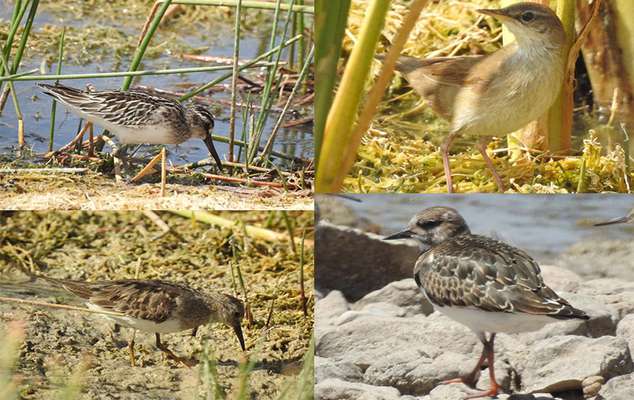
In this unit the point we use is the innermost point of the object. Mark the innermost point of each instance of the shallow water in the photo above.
(543, 225)
(36, 106)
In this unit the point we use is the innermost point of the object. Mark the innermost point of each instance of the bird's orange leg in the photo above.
(472, 378)
(494, 389)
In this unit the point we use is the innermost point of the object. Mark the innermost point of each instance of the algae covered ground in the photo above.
(70, 354)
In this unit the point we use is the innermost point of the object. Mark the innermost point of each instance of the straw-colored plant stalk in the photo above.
(609, 56)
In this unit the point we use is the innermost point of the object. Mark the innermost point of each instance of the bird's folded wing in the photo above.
(452, 71)
(149, 300)
(491, 277)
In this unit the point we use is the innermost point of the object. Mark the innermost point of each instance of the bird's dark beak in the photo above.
(212, 150)
(620, 220)
(494, 12)
(238, 330)
(406, 234)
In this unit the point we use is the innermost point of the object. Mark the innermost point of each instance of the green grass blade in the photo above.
(138, 55)
(234, 80)
(302, 76)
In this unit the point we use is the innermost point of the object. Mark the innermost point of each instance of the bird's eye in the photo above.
(528, 16)
(428, 224)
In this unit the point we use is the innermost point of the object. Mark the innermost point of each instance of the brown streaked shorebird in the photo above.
(157, 306)
(138, 117)
(495, 94)
(486, 285)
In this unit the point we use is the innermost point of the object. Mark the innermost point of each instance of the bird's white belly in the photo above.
(487, 321)
(168, 326)
(507, 108)
(149, 134)
(144, 135)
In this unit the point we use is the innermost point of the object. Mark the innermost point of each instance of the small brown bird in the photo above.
(495, 94)
(157, 306)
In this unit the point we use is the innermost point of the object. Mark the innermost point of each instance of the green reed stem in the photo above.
(25, 36)
(267, 97)
(330, 29)
(18, 13)
(302, 76)
(138, 55)
(234, 80)
(15, 23)
(60, 57)
(16, 104)
(21, 77)
(289, 228)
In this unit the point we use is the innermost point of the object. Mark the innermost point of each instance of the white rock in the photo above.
(336, 389)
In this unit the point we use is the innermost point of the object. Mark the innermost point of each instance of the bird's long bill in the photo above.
(212, 150)
(238, 330)
(406, 234)
(620, 220)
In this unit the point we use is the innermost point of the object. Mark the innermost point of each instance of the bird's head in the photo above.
(231, 315)
(532, 24)
(202, 123)
(433, 226)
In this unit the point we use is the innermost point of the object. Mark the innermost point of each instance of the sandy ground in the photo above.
(92, 191)
(116, 245)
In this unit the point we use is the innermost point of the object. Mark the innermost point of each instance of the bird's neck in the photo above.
(538, 53)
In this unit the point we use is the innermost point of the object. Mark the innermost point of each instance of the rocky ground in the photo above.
(377, 337)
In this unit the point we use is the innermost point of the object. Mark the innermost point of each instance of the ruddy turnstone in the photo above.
(483, 283)
(157, 306)
(620, 220)
(137, 117)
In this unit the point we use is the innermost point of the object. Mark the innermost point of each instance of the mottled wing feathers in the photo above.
(129, 108)
(148, 299)
(476, 271)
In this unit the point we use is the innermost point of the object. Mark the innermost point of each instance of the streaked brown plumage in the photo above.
(136, 116)
(157, 306)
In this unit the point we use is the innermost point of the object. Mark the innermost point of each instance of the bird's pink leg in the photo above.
(482, 147)
(444, 149)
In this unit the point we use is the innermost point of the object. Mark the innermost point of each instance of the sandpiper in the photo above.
(483, 283)
(137, 117)
(620, 220)
(157, 306)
